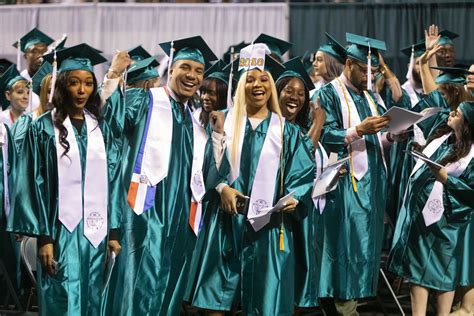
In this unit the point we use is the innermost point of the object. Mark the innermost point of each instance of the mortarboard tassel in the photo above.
(409, 75)
(53, 78)
(369, 69)
(230, 103)
(124, 84)
(18, 56)
(170, 62)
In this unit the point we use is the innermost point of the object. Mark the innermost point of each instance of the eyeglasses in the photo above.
(364, 69)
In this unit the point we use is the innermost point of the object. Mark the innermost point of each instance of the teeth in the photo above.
(187, 84)
(291, 105)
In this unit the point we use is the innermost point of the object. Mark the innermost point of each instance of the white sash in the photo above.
(350, 118)
(322, 162)
(199, 148)
(430, 150)
(4, 144)
(263, 187)
(95, 183)
(157, 151)
(417, 132)
(373, 110)
(434, 206)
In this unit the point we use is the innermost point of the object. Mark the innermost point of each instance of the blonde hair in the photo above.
(240, 111)
(43, 96)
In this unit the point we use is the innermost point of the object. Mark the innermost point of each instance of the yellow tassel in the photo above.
(282, 238)
(354, 184)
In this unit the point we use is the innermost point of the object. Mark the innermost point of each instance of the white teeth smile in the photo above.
(258, 93)
(291, 105)
(189, 85)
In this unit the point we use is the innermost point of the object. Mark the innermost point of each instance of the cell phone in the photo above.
(242, 204)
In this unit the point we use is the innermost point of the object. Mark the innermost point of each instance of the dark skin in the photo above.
(33, 57)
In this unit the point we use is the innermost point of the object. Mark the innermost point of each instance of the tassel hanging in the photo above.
(53, 78)
(170, 61)
(412, 64)
(18, 56)
(282, 237)
(369, 70)
(230, 103)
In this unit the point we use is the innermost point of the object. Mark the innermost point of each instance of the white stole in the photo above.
(322, 161)
(4, 144)
(263, 187)
(434, 206)
(414, 99)
(95, 191)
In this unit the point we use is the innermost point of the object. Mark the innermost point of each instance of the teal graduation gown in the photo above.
(237, 264)
(76, 289)
(432, 256)
(350, 231)
(151, 276)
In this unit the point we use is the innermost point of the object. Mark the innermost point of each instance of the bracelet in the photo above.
(383, 69)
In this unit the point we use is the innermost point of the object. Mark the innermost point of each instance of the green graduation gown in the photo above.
(151, 276)
(351, 228)
(76, 289)
(235, 263)
(432, 256)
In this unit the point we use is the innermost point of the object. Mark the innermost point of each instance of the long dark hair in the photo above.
(221, 93)
(461, 147)
(62, 101)
(456, 94)
(302, 118)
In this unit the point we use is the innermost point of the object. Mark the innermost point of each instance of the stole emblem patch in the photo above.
(258, 205)
(95, 221)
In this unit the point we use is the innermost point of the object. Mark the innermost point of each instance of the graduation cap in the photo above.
(33, 37)
(191, 48)
(7, 80)
(334, 48)
(236, 49)
(307, 60)
(79, 57)
(467, 109)
(417, 49)
(447, 37)
(138, 53)
(278, 47)
(216, 71)
(45, 69)
(4, 64)
(294, 68)
(452, 75)
(57, 45)
(143, 70)
(361, 47)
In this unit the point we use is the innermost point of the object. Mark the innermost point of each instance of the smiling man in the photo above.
(162, 155)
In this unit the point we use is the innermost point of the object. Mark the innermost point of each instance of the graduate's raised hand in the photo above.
(229, 200)
(46, 256)
(216, 119)
(114, 246)
(372, 125)
(120, 63)
(425, 58)
(290, 206)
(431, 37)
(318, 115)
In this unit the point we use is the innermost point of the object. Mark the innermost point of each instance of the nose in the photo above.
(81, 88)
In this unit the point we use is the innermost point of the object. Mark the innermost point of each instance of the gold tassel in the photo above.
(354, 184)
(282, 238)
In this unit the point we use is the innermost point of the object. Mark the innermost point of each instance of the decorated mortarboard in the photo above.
(33, 37)
(45, 69)
(334, 48)
(447, 37)
(256, 56)
(57, 44)
(417, 49)
(143, 70)
(4, 65)
(216, 71)
(79, 57)
(307, 60)
(467, 109)
(138, 53)
(233, 50)
(278, 47)
(191, 48)
(452, 75)
(7, 80)
(294, 68)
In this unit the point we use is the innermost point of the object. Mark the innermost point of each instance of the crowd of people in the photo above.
(245, 182)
